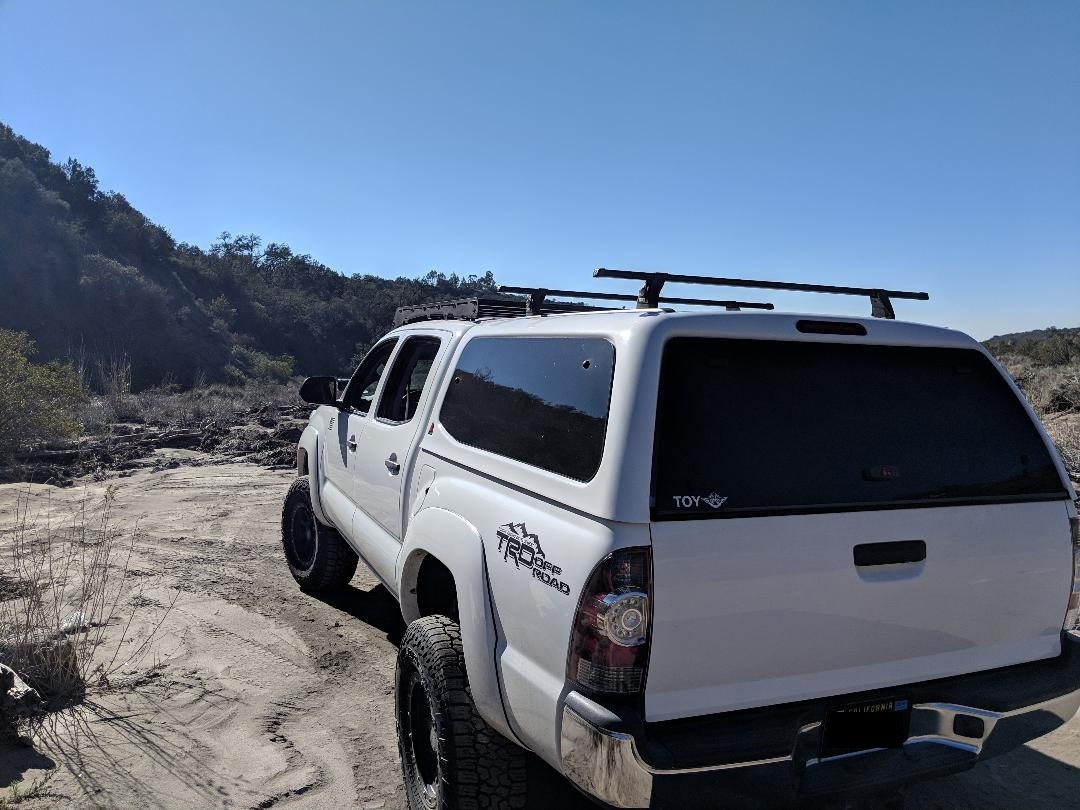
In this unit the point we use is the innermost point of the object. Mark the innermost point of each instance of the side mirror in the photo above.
(319, 391)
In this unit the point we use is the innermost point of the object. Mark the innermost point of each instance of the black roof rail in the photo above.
(649, 295)
(541, 292)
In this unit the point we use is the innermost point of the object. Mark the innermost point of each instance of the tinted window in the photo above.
(765, 426)
(407, 377)
(542, 401)
(365, 381)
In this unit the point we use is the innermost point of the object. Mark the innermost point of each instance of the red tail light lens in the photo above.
(609, 648)
(1072, 614)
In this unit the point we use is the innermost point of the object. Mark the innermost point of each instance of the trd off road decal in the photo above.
(517, 545)
(695, 501)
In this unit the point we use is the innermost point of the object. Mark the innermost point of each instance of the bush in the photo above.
(1064, 430)
(260, 366)
(1049, 388)
(1059, 349)
(65, 576)
(37, 402)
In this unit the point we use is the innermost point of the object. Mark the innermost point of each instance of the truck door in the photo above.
(346, 428)
(385, 447)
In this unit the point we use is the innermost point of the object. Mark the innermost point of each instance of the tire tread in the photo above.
(335, 562)
(481, 770)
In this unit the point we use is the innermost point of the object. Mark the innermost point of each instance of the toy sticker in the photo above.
(695, 501)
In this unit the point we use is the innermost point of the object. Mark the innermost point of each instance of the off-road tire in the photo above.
(474, 766)
(319, 558)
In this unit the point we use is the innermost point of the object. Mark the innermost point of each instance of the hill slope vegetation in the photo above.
(95, 282)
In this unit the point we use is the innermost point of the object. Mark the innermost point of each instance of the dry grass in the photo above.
(65, 579)
(1054, 393)
(18, 792)
(166, 405)
(1064, 430)
(1049, 389)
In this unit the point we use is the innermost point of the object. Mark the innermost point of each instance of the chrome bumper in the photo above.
(607, 764)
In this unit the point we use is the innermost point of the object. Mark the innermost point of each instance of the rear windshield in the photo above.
(758, 427)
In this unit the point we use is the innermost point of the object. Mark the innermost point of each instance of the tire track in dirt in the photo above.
(254, 695)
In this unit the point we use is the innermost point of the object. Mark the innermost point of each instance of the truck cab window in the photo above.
(407, 377)
(542, 401)
(365, 381)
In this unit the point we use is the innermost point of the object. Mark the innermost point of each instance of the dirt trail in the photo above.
(256, 695)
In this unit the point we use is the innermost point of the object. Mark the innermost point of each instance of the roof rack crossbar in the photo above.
(649, 295)
(539, 292)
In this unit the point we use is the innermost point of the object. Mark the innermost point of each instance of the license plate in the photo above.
(861, 726)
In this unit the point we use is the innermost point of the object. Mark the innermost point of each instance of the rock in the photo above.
(180, 439)
(289, 431)
(75, 623)
(17, 701)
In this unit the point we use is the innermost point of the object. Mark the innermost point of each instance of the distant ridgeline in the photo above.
(93, 281)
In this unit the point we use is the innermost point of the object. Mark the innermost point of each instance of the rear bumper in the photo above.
(766, 755)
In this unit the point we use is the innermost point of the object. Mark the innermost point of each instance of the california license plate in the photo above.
(864, 726)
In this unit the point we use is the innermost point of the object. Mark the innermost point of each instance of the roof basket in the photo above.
(649, 295)
(469, 309)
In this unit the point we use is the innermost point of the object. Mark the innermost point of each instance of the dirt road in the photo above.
(256, 695)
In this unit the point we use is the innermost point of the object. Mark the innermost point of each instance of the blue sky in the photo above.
(931, 146)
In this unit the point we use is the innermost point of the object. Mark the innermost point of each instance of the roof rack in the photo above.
(536, 301)
(469, 309)
(537, 296)
(649, 295)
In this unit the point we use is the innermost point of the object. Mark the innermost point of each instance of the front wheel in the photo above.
(450, 758)
(319, 558)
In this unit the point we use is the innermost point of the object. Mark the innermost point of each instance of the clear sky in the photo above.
(931, 146)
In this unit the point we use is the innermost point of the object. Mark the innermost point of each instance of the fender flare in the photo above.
(309, 443)
(457, 544)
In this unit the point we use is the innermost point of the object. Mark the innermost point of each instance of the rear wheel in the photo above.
(319, 558)
(450, 757)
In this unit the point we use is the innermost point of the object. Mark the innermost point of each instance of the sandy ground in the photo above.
(255, 695)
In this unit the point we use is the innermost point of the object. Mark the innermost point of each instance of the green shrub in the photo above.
(257, 365)
(1060, 348)
(37, 402)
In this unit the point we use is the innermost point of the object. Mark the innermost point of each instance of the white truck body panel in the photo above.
(764, 610)
(338, 464)
(746, 612)
(534, 617)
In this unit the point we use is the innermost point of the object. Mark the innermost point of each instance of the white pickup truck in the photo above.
(694, 558)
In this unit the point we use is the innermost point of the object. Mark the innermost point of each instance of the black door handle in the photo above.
(352, 444)
(901, 551)
(392, 464)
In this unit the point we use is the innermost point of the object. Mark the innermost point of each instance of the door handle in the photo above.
(352, 444)
(392, 464)
(901, 551)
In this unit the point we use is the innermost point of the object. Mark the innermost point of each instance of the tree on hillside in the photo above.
(80, 267)
(37, 402)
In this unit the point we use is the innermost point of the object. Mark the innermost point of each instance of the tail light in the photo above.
(609, 648)
(1072, 617)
